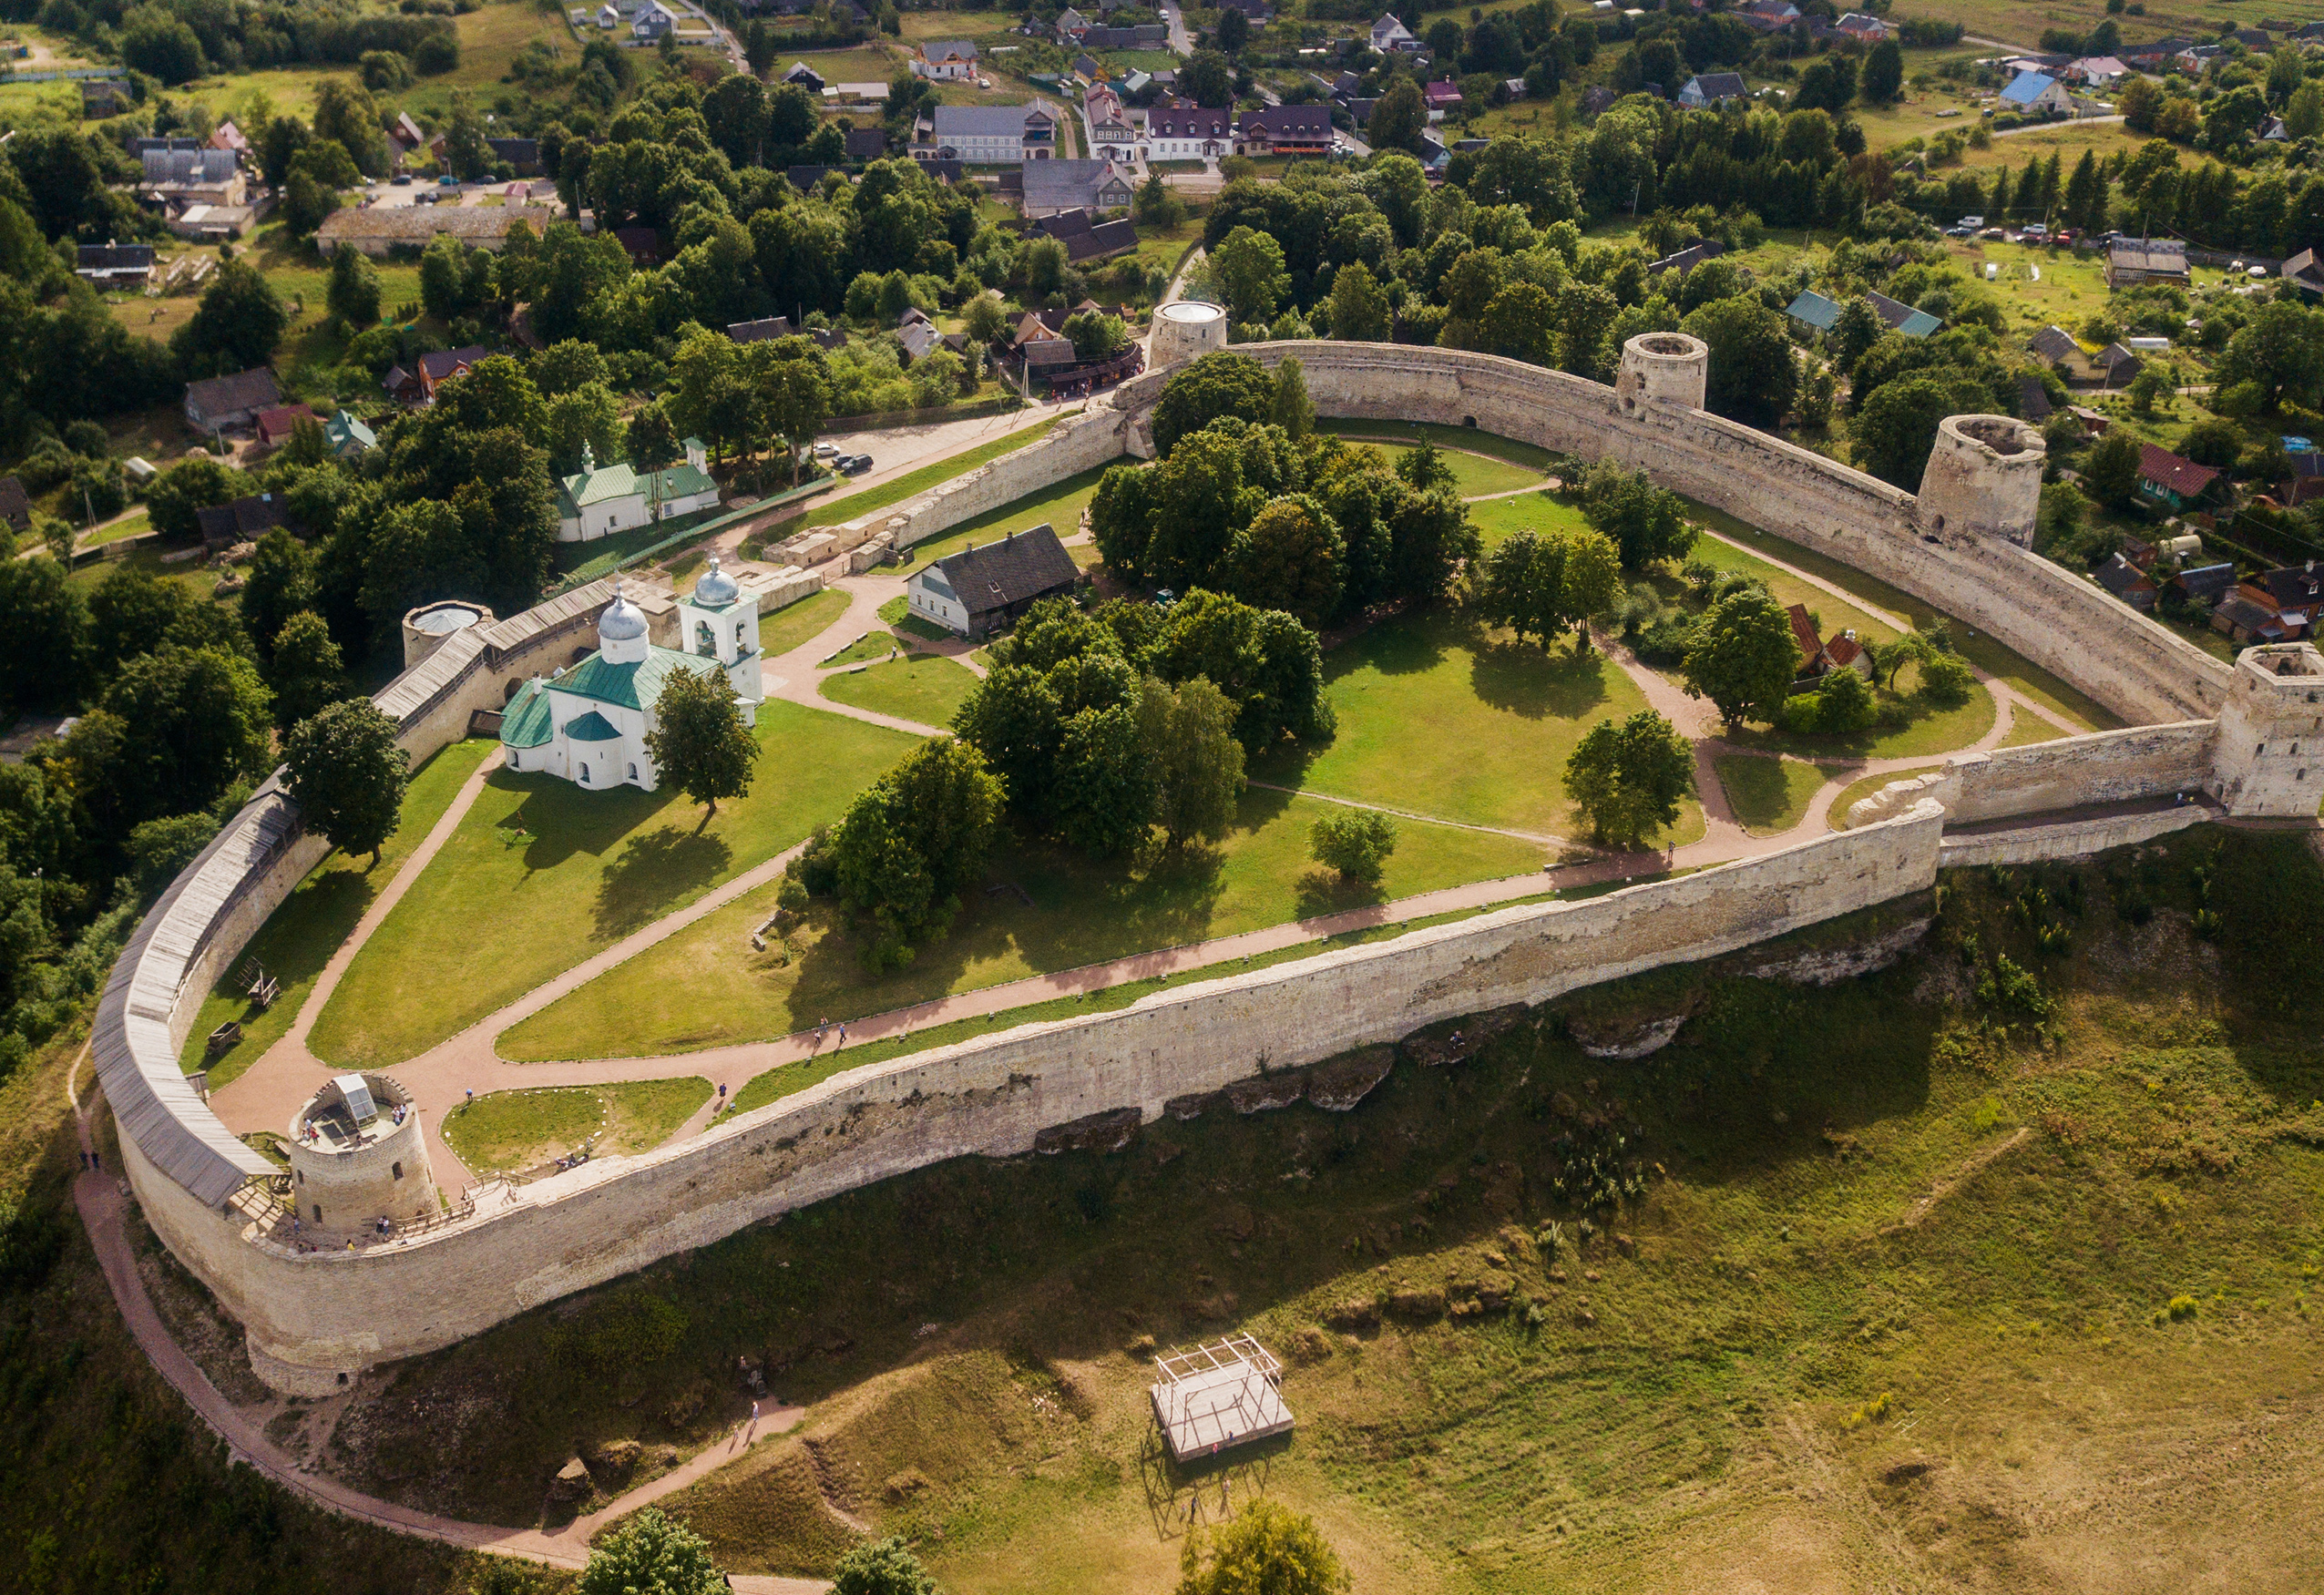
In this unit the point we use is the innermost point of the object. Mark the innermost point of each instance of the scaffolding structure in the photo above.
(1220, 1394)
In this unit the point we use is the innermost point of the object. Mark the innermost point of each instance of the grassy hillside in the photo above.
(1987, 1271)
(107, 1483)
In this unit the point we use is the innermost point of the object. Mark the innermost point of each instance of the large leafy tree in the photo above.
(1742, 656)
(1197, 764)
(1646, 522)
(648, 1554)
(881, 1567)
(2280, 351)
(1892, 435)
(1248, 268)
(698, 743)
(37, 602)
(910, 842)
(280, 582)
(1544, 584)
(1359, 311)
(1399, 118)
(1291, 557)
(195, 720)
(235, 326)
(353, 294)
(1217, 385)
(1628, 778)
(1356, 842)
(191, 486)
(1753, 375)
(1268, 665)
(304, 669)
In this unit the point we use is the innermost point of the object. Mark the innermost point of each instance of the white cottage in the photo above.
(597, 500)
(588, 724)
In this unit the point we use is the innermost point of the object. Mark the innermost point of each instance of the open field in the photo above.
(1443, 717)
(540, 874)
(706, 987)
(2019, 23)
(872, 645)
(1497, 518)
(508, 1133)
(301, 933)
(1887, 1239)
(925, 688)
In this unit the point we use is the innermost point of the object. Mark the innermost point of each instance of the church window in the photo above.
(633, 773)
(584, 775)
(704, 641)
(396, 1170)
(318, 1213)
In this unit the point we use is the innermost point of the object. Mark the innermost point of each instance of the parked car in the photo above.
(1993, 235)
(2256, 271)
(1964, 230)
(1973, 222)
(826, 451)
(2035, 231)
(853, 465)
(447, 181)
(402, 179)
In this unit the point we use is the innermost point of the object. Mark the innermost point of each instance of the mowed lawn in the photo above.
(1496, 520)
(1442, 716)
(796, 623)
(541, 875)
(706, 986)
(506, 1132)
(926, 688)
(321, 911)
(1473, 474)
(1770, 796)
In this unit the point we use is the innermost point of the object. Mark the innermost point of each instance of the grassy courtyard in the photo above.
(2009, 1293)
(925, 688)
(797, 622)
(1439, 715)
(1770, 796)
(706, 987)
(541, 875)
(301, 933)
(509, 1132)
(1473, 472)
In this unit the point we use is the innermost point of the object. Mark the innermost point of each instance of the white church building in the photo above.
(598, 500)
(588, 723)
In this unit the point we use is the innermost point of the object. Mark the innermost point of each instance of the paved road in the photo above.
(1179, 39)
(2053, 127)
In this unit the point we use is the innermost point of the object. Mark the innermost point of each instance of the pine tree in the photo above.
(1998, 208)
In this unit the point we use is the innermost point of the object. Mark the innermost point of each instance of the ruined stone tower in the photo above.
(1669, 368)
(1984, 479)
(2269, 756)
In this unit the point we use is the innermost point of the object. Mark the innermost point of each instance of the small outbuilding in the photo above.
(1219, 1394)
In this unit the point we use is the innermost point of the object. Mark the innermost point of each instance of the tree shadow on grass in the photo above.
(1534, 683)
(654, 873)
(1320, 891)
(558, 820)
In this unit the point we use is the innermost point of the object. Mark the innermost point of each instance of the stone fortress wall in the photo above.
(313, 1318)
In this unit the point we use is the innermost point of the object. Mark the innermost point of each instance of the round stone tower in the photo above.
(357, 1157)
(427, 628)
(1983, 478)
(1669, 368)
(2271, 733)
(1183, 331)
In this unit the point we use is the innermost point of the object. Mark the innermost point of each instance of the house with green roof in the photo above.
(347, 435)
(588, 724)
(598, 500)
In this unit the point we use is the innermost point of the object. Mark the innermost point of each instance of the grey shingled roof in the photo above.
(1015, 569)
(134, 1045)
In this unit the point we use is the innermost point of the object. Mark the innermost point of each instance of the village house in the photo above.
(113, 265)
(275, 425)
(947, 60)
(2036, 93)
(2172, 479)
(1285, 130)
(15, 506)
(245, 520)
(380, 229)
(979, 590)
(597, 499)
(1053, 185)
(219, 402)
(1817, 658)
(2127, 582)
(1188, 133)
(2131, 261)
(993, 135)
(1713, 88)
(1389, 34)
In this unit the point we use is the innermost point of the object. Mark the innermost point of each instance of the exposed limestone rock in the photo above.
(1099, 1132)
(1267, 1092)
(1191, 1107)
(1639, 1038)
(571, 1483)
(1337, 1084)
(1831, 965)
(1461, 1042)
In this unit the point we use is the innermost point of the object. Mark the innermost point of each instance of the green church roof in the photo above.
(591, 727)
(527, 723)
(630, 686)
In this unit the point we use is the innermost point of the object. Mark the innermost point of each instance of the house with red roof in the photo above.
(2172, 479)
